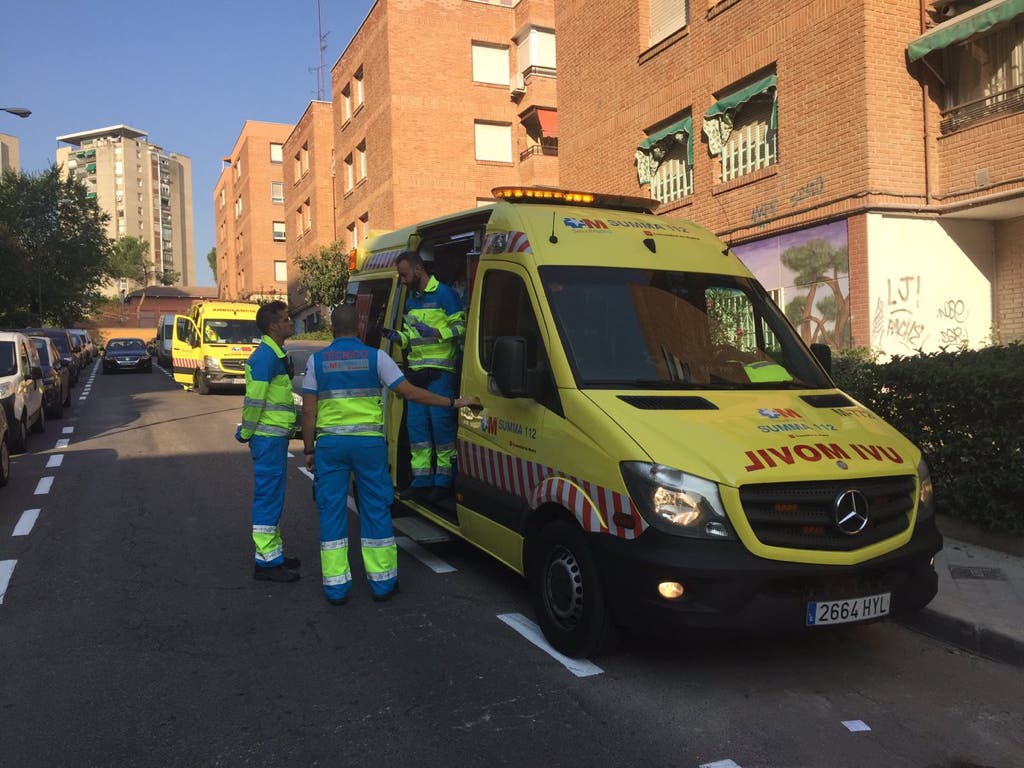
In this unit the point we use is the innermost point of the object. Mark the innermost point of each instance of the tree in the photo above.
(818, 262)
(211, 259)
(169, 277)
(53, 249)
(129, 259)
(324, 275)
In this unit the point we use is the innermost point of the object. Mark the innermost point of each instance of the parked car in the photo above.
(5, 451)
(21, 388)
(88, 347)
(68, 350)
(127, 354)
(56, 377)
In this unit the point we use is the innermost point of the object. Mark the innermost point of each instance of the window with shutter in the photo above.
(666, 17)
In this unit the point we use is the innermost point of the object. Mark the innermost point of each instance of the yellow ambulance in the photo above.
(211, 344)
(657, 446)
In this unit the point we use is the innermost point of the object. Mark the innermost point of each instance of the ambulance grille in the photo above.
(802, 515)
(233, 366)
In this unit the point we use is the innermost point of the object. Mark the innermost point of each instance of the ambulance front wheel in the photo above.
(568, 596)
(201, 383)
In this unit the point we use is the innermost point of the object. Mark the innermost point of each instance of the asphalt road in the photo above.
(132, 633)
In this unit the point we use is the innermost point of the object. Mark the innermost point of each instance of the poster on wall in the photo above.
(807, 273)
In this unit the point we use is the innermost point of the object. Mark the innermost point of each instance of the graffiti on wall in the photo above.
(902, 321)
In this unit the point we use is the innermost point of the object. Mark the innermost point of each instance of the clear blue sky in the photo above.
(188, 72)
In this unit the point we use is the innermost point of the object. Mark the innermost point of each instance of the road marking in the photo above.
(82, 397)
(43, 488)
(291, 455)
(307, 473)
(720, 764)
(6, 569)
(62, 444)
(25, 522)
(529, 630)
(55, 460)
(436, 564)
(856, 725)
(67, 430)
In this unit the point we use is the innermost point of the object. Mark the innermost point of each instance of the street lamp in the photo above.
(17, 111)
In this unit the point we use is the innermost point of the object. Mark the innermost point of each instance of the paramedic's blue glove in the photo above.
(391, 335)
(238, 435)
(426, 331)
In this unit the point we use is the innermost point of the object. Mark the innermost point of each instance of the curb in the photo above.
(968, 636)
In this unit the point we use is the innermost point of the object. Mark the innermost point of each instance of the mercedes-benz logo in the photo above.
(851, 512)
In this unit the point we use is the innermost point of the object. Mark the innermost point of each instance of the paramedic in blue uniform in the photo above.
(433, 327)
(343, 411)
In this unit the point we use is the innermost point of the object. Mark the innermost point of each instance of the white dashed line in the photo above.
(43, 488)
(67, 430)
(6, 569)
(55, 460)
(25, 523)
(291, 455)
(720, 764)
(436, 564)
(307, 473)
(62, 444)
(529, 630)
(856, 725)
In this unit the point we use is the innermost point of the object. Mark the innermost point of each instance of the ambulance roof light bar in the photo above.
(552, 195)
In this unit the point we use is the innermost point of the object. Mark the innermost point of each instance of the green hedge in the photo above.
(965, 410)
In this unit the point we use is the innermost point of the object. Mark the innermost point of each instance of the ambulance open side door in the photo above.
(186, 350)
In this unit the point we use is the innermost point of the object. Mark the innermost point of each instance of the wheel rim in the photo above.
(563, 587)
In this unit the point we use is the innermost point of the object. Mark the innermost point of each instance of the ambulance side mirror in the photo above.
(823, 353)
(508, 367)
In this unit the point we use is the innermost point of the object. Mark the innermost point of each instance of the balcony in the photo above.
(547, 149)
(1005, 102)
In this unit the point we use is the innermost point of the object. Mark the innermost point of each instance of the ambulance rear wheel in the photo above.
(567, 592)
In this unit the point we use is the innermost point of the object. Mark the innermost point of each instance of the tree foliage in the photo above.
(129, 259)
(211, 259)
(324, 275)
(53, 249)
(819, 263)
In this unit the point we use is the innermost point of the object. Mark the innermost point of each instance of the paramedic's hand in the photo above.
(426, 331)
(391, 335)
(310, 462)
(468, 402)
(238, 435)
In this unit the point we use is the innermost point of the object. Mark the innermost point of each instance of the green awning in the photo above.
(683, 126)
(966, 25)
(738, 99)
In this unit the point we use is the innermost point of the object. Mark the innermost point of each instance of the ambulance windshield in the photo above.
(231, 331)
(658, 329)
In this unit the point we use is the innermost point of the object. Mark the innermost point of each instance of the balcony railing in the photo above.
(1004, 102)
(551, 150)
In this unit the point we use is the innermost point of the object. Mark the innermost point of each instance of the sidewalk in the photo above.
(980, 604)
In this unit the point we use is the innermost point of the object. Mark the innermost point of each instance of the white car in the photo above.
(21, 388)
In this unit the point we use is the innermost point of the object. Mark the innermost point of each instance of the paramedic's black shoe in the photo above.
(292, 563)
(385, 597)
(278, 573)
(416, 493)
(337, 600)
(437, 494)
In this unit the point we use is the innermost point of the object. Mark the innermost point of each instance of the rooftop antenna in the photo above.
(322, 38)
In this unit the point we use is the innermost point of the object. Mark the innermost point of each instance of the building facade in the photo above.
(10, 153)
(419, 133)
(249, 215)
(863, 158)
(308, 202)
(146, 191)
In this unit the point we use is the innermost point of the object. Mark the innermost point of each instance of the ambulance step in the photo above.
(421, 531)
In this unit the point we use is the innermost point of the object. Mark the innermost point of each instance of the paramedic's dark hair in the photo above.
(266, 314)
(344, 320)
(413, 259)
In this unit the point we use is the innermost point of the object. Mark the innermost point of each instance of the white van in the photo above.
(21, 387)
(164, 339)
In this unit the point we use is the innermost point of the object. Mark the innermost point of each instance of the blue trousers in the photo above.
(270, 465)
(432, 437)
(337, 458)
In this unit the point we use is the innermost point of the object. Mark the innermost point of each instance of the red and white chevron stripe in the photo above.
(598, 509)
(507, 242)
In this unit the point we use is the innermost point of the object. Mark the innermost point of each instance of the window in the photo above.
(304, 156)
(506, 311)
(361, 150)
(279, 233)
(238, 168)
(298, 165)
(984, 76)
(346, 100)
(281, 271)
(298, 222)
(353, 237)
(223, 197)
(238, 207)
(666, 17)
(349, 173)
(370, 298)
(364, 226)
(308, 223)
(359, 87)
(742, 128)
(276, 153)
(535, 51)
(490, 63)
(277, 191)
(665, 161)
(493, 142)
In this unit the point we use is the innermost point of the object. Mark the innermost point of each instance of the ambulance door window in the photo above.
(371, 301)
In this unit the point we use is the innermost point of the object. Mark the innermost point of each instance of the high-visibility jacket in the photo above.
(269, 408)
(348, 389)
(439, 307)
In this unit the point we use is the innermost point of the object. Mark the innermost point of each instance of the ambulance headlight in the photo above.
(212, 363)
(925, 493)
(675, 502)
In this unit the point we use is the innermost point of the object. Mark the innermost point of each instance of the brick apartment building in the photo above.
(249, 205)
(308, 201)
(862, 156)
(436, 102)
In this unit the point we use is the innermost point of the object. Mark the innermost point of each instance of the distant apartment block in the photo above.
(308, 195)
(146, 190)
(249, 211)
(9, 153)
(436, 102)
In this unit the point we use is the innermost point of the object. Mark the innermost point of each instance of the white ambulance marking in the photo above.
(25, 522)
(529, 630)
(67, 430)
(6, 569)
(307, 473)
(62, 444)
(436, 564)
(720, 764)
(43, 488)
(55, 460)
(856, 725)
